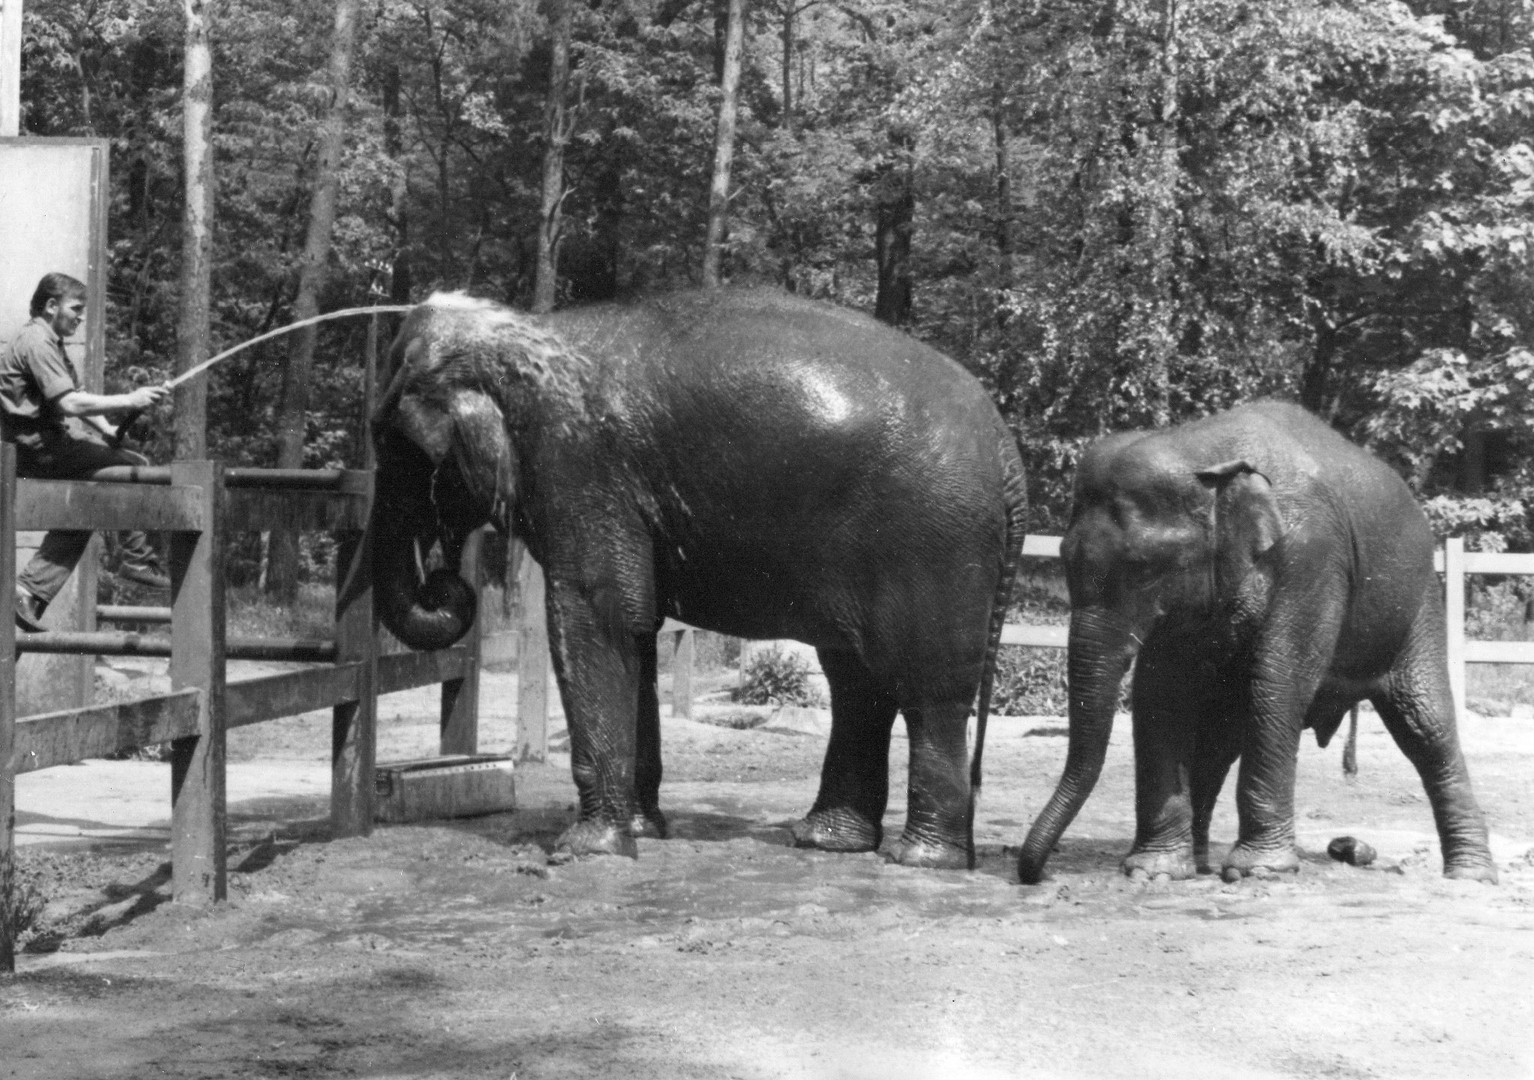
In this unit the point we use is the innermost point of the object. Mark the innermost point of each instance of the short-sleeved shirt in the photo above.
(34, 374)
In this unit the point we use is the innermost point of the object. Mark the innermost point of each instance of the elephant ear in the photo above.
(1247, 523)
(482, 451)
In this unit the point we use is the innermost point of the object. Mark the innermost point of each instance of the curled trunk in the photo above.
(1101, 647)
(425, 612)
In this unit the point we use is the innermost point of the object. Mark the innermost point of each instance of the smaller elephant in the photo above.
(1270, 575)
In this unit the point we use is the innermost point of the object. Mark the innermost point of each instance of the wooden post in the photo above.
(460, 697)
(1350, 748)
(354, 724)
(532, 663)
(10, 68)
(1454, 616)
(198, 810)
(7, 707)
(681, 674)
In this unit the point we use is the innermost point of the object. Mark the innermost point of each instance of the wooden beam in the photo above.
(289, 693)
(10, 68)
(69, 735)
(406, 671)
(460, 696)
(354, 723)
(199, 812)
(87, 505)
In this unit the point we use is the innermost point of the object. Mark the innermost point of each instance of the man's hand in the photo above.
(146, 397)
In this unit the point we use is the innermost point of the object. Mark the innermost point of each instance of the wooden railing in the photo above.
(1451, 560)
(199, 504)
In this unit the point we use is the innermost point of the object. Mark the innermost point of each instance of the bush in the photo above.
(1029, 682)
(776, 677)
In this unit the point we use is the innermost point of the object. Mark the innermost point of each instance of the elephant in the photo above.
(743, 460)
(1265, 575)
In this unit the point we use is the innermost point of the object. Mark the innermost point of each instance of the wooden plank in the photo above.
(532, 663)
(1499, 652)
(1498, 562)
(69, 735)
(87, 505)
(405, 671)
(10, 72)
(289, 693)
(198, 809)
(460, 696)
(1041, 547)
(682, 657)
(1040, 637)
(1454, 618)
(499, 648)
(8, 760)
(259, 509)
(354, 723)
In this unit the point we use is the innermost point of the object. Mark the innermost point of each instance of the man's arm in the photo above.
(84, 404)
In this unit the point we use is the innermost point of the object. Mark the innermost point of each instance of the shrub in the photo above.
(1029, 682)
(776, 677)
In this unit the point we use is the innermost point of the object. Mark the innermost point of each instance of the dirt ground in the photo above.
(458, 949)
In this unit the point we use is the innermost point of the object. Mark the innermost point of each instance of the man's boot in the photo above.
(29, 611)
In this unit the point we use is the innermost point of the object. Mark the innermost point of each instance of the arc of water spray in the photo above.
(380, 309)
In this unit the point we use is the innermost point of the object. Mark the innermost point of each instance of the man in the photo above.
(61, 433)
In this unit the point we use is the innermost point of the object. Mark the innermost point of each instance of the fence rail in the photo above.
(200, 504)
(1451, 560)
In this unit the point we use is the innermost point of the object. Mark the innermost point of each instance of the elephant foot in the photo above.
(1243, 861)
(1175, 865)
(837, 830)
(594, 837)
(930, 855)
(1471, 870)
(650, 822)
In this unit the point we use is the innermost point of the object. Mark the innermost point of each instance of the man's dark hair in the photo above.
(60, 287)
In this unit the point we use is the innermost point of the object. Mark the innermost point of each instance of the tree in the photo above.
(192, 338)
(724, 147)
(556, 134)
(293, 408)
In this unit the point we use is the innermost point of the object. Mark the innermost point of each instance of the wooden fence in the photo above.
(1451, 560)
(200, 504)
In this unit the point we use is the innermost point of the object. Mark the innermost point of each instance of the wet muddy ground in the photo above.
(459, 949)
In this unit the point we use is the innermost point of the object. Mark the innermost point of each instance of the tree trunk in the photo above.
(293, 409)
(790, 13)
(556, 133)
(724, 147)
(192, 331)
(896, 208)
(1163, 229)
(1000, 136)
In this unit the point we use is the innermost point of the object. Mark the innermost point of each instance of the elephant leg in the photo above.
(937, 829)
(1292, 657)
(1218, 747)
(1166, 726)
(647, 761)
(597, 664)
(1418, 710)
(848, 813)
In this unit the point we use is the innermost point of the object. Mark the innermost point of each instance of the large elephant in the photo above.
(745, 461)
(1270, 575)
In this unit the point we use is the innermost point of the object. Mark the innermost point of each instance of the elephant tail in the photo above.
(1015, 496)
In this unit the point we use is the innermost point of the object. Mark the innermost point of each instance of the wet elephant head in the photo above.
(467, 377)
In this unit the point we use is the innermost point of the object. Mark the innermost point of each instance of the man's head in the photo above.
(60, 299)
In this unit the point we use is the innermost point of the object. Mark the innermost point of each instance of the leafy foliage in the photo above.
(1123, 212)
(776, 677)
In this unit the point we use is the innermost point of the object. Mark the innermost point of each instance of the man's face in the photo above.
(65, 315)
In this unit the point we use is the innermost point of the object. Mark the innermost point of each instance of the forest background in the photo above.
(1117, 213)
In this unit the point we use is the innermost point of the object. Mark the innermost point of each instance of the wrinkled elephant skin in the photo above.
(741, 460)
(1269, 575)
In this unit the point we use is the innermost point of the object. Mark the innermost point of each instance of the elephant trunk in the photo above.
(1100, 650)
(425, 612)
(430, 613)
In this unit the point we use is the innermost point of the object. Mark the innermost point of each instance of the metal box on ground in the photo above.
(444, 787)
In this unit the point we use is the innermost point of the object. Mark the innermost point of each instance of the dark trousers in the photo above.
(71, 457)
